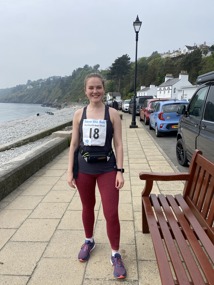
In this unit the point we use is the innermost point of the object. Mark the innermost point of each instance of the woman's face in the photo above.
(94, 89)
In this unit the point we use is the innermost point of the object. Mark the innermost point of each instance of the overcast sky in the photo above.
(43, 38)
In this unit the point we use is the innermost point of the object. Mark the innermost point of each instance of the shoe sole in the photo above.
(84, 260)
(118, 277)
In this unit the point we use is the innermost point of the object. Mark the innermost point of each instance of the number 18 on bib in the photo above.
(94, 132)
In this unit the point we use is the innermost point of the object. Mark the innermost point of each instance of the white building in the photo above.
(188, 49)
(186, 92)
(172, 86)
(147, 91)
(113, 95)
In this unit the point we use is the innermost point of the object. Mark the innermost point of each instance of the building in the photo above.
(186, 92)
(147, 91)
(171, 87)
(113, 95)
(187, 49)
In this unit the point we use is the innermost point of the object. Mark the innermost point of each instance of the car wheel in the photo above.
(145, 120)
(181, 153)
(150, 127)
(157, 133)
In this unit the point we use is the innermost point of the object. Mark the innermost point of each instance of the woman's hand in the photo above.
(119, 182)
(71, 181)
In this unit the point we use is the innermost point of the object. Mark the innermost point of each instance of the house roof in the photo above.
(145, 89)
(191, 47)
(169, 82)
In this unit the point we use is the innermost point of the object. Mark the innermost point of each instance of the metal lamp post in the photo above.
(137, 24)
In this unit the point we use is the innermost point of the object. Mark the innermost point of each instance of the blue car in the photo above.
(166, 116)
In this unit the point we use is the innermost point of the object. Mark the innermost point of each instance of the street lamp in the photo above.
(137, 24)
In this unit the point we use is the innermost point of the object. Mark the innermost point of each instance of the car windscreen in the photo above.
(170, 108)
(152, 105)
(142, 100)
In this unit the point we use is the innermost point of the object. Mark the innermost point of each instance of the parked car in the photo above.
(165, 117)
(196, 127)
(139, 103)
(148, 108)
(125, 105)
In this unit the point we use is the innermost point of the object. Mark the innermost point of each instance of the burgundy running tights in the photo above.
(86, 184)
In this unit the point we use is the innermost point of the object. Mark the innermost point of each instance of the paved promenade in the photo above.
(41, 230)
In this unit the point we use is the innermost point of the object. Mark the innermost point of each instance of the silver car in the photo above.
(125, 105)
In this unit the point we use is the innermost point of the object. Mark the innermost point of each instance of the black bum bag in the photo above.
(92, 157)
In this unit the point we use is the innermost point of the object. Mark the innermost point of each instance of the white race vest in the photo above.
(94, 132)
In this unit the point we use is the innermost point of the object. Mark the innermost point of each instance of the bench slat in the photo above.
(199, 180)
(210, 216)
(190, 190)
(208, 196)
(198, 221)
(181, 241)
(191, 237)
(163, 265)
(202, 191)
(170, 244)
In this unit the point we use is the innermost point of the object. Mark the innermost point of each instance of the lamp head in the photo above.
(137, 24)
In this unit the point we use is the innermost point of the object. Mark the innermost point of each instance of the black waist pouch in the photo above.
(97, 157)
(92, 157)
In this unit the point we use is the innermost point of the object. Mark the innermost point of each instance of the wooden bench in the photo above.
(181, 226)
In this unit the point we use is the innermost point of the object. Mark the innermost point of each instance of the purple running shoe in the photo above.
(85, 250)
(119, 269)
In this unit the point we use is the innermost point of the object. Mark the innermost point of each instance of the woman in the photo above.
(94, 128)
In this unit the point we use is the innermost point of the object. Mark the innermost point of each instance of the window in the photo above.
(152, 105)
(145, 103)
(209, 109)
(196, 105)
(156, 107)
(170, 108)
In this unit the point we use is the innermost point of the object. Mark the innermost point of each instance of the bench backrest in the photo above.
(199, 192)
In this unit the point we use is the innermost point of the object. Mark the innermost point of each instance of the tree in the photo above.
(119, 69)
(142, 68)
(96, 67)
(212, 48)
(192, 64)
(207, 64)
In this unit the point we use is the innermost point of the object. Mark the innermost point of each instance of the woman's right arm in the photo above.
(73, 146)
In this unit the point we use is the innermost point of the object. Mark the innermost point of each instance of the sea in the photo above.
(15, 111)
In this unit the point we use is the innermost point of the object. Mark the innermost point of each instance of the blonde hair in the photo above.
(97, 75)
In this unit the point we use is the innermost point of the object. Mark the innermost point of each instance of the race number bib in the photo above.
(94, 132)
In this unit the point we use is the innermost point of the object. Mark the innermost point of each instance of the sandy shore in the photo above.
(15, 130)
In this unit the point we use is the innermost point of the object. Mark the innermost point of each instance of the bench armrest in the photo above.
(155, 176)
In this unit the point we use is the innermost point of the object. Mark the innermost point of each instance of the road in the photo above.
(168, 144)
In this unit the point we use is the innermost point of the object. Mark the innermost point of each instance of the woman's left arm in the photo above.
(118, 146)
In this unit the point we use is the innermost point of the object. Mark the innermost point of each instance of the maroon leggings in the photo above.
(86, 184)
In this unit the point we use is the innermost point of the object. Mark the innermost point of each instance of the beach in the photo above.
(16, 130)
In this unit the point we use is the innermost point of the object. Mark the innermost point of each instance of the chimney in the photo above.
(183, 74)
(168, 77)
